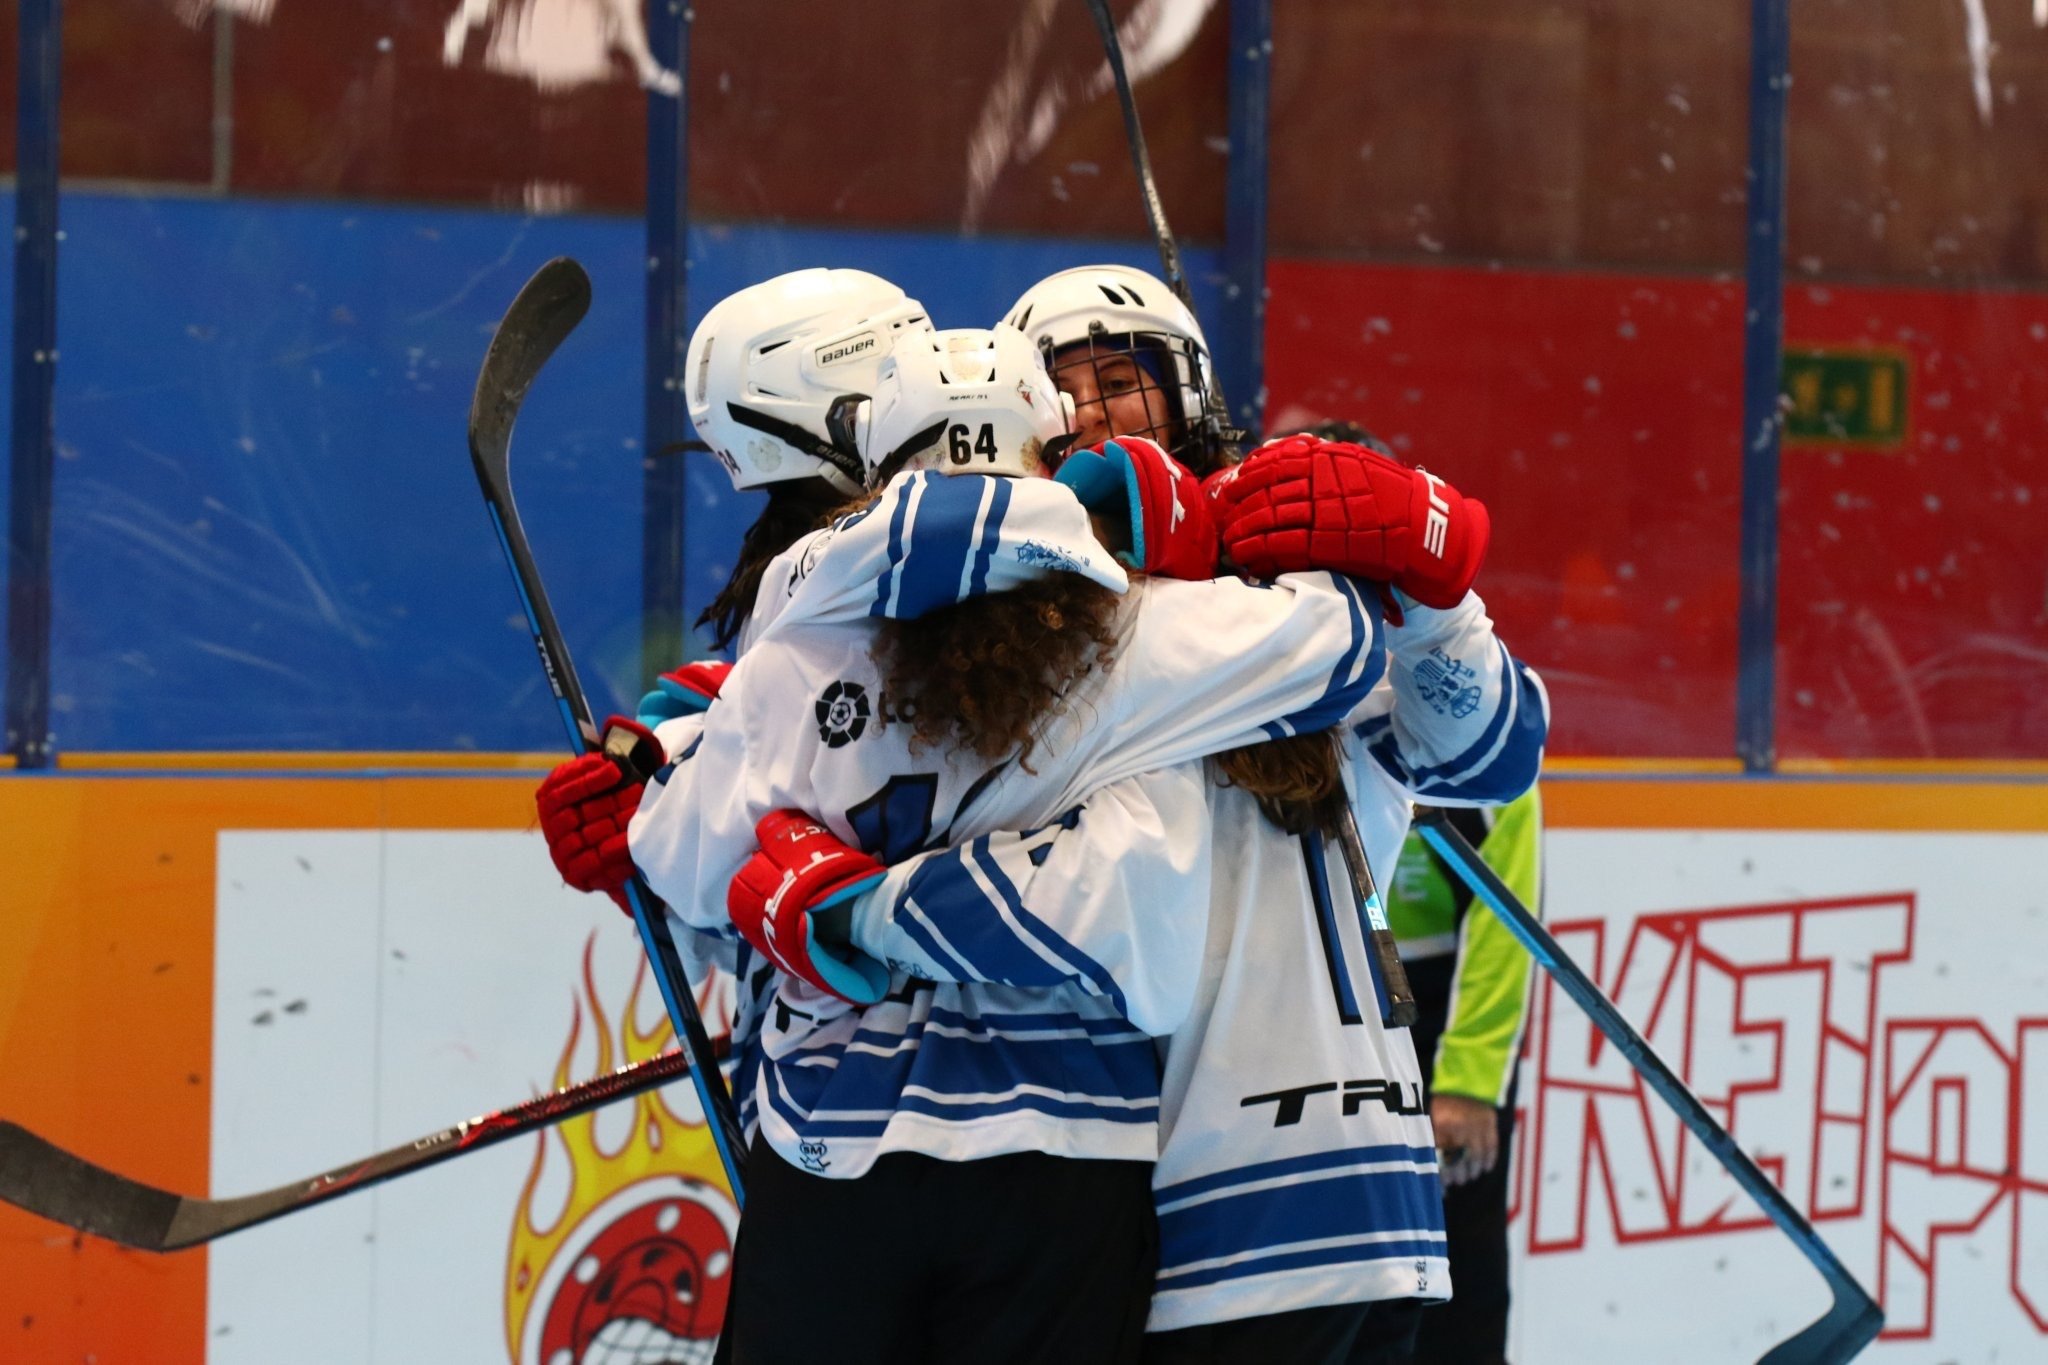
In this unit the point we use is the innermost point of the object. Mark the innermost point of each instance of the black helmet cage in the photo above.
(1196, 439)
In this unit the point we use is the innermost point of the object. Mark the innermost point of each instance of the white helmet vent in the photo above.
(760, 393)
(963, 402)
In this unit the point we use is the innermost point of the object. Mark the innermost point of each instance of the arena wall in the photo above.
(226, 980)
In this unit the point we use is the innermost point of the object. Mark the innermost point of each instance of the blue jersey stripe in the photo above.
(887, 581)
(1294, 1165)
(871, 1072)
(1077, 961)
(991, 532)
(917, 920)
(824, 1125)
(945, 891)
(947, 1065)
(1051, 1019)
(1357, 670)
(1079, 1108)
(1316, 861)
(940, 540)
(1333, 1204)
(1359, 1254)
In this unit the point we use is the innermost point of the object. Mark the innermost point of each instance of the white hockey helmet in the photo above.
(766, 364)
(1116, 309)
(969, 401)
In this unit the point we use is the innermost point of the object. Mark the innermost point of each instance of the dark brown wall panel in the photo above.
(1898, 171)
(137, 92)
(1498, 129)
(354, 100)
(822, 112)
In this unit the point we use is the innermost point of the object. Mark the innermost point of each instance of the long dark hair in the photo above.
(1298, 781)
(795, 509)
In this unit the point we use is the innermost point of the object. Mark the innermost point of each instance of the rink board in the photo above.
(219, 984)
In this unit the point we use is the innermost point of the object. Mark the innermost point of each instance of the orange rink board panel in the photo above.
(106, 987)
(106, 1015)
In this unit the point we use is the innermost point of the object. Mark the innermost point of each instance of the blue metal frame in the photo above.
(30, 451)
(668, 286)
(1762, 359)
(1241, 346)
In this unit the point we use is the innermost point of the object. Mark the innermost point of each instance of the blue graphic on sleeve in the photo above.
(1447, 685)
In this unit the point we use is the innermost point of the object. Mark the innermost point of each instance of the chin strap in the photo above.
(846, 460)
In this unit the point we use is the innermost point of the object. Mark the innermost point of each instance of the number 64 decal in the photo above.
(962, 449)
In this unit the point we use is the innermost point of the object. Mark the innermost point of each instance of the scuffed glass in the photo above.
(290, 228)
(286, 248)
(1913, 608)
(964, 161)
(1508, 239)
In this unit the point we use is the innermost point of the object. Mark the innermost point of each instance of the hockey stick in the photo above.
(1854, 1318)
(1397, 999)
(1216, 413)
(43, 1178)
(540, 319)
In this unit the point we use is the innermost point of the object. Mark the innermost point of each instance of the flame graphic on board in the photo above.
(634, 1261)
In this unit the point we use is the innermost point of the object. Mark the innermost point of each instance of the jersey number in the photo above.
(963, 445)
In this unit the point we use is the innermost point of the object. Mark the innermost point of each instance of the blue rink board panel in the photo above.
(267, 532)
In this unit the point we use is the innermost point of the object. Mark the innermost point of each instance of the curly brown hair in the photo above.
(986, 676)
(1298, 781)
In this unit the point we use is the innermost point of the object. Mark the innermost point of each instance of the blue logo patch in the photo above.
(1447, 685)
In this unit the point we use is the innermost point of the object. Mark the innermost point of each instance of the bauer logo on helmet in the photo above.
(839, 352)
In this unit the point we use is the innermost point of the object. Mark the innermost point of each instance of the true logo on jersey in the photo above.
(843, 713)
(1396, 1097)
(812, 1155)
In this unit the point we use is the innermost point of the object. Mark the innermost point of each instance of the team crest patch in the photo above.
(1039, 555)
(1446, 684)
(842, 713)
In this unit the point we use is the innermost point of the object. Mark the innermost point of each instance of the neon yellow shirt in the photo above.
(1426, 907)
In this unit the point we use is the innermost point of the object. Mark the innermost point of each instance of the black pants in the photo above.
(1345, 1334)
(1472, 1329)
(1020, 1258)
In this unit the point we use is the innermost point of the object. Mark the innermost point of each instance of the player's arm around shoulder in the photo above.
(691, 832)
(1113, 897)
(928, 540)
(1460, 721)
(1208, 665)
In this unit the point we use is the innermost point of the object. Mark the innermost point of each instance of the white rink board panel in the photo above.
(443, 973)
(1869, 1013)
(1868, 1009)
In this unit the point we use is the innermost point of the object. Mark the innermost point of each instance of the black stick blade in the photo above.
(1837, 1337)
(546, 311)
(38, 1175)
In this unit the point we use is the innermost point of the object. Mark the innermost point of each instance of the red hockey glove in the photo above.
(686, 691)
(1173, 532)
(1213, 486)
(586, 803)
(1305, 503)
(803, 868)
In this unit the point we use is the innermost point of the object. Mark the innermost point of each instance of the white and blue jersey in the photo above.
(1042, 1054)
(1297, 1167)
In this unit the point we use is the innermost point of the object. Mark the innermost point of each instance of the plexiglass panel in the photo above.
(1508, 239)
(1913, 621)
